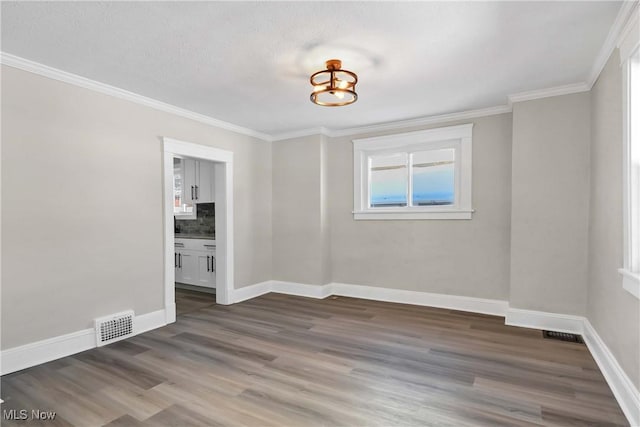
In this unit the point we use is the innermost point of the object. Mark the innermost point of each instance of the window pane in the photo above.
(389, 180)
(433, 175)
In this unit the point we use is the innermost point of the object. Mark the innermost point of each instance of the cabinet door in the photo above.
(183, 182)
(206, 189)
(178, 270)
(205, 270)
(189, 268)
(190, 180)
(212, 274)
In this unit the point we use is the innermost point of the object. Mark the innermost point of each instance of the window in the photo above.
(416, 175)
(630, 56)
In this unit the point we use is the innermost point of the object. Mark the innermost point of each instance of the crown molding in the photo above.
(613, 39)
(632, 16)
(301, 133)
(548, 92)
(422, 121)
(629, 37)
(66, 77)
(402, 124)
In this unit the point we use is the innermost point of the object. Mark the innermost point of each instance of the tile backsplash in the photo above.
(204, 224)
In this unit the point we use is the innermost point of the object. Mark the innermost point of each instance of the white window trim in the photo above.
(628, 45)
(457, 137)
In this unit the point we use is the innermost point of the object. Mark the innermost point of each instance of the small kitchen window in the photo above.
(416, 175)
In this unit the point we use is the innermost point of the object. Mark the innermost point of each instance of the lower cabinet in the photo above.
(206, 269)
(194, 266)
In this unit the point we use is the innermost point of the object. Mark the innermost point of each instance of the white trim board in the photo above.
(39, 352)
(548, 92)
(301, 290)
(544, 321)
(223, 160)
(427, 299)
(612, 40)
(626, 394)
(251, 291)
(76, 80)
(397, 125)
(452, 302)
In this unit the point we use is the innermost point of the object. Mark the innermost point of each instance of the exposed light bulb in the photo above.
(342, 84)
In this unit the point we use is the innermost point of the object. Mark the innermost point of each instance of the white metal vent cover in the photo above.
(114, 327)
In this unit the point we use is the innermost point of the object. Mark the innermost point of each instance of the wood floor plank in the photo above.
(280, 360)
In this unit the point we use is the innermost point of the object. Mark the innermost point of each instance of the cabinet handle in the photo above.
(192, 198)
(208, 263)
(179, 260)
(213, 264)
(175, 260)
(196, 192)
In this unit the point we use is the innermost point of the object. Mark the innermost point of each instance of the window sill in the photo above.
(412, 215)
(630, 282)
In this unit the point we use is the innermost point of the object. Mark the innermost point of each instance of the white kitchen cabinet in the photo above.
(206, 269)
(183, 205)
(188, 266)
(195, 262)
(192, 183)
(190, 180)
(206, 189)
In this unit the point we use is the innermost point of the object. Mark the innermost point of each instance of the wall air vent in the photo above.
(114, 328)
(563, 336)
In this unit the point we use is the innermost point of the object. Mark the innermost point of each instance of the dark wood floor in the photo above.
(291, 361)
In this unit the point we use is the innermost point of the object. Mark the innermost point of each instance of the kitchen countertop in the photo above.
(195, 236)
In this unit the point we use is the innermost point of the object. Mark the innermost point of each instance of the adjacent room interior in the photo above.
(314, 213)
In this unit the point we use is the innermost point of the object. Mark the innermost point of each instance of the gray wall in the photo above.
(457, 257)
(612, 311)
(300, 226)
(82, 210)
(550, 203)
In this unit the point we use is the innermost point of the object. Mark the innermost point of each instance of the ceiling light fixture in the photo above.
(334, 86)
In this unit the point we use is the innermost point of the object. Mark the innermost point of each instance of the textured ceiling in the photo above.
(248, 63)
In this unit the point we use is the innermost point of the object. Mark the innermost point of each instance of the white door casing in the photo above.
(223, 171)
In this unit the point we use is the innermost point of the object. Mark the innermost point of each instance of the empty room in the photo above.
(320, 213)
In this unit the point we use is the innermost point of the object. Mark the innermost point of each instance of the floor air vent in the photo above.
(114, 328)
(563, 336)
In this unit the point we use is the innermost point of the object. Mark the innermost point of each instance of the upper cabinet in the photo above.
(205, 191)
(192, 183)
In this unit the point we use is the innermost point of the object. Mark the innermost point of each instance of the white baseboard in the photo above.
(149, 321)
(170, 313)
(300, 289)
(36, 353)
(452, 302)
(544, 320)
(251, 291)
(626, 394)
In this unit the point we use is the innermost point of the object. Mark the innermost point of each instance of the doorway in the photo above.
(223, 181)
